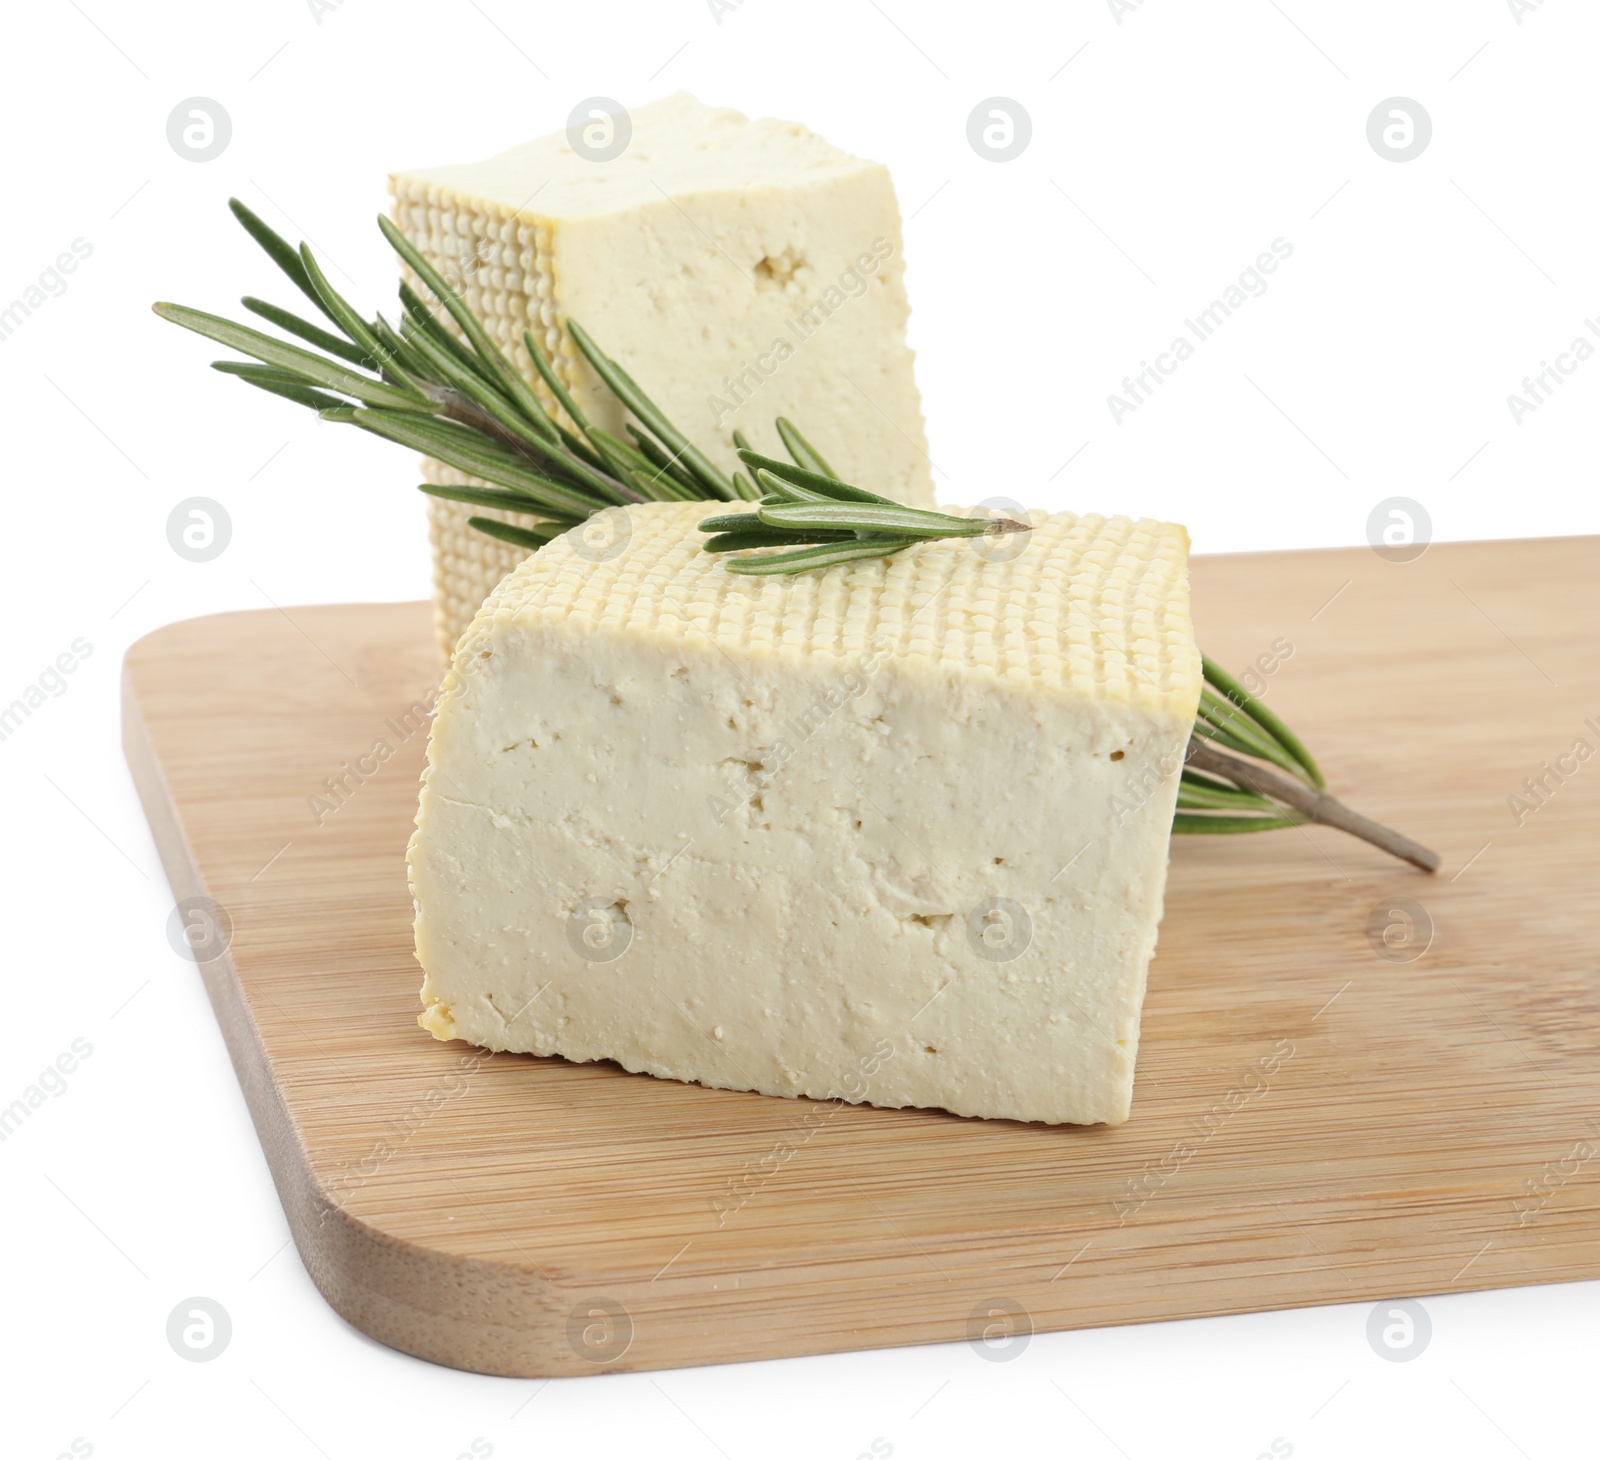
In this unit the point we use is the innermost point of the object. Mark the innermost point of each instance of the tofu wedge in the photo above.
(894, 833)
(744, 269)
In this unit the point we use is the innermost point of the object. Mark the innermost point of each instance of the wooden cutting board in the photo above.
(1321, 1115)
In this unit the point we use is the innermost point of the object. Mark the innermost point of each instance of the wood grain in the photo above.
(1313, 1122)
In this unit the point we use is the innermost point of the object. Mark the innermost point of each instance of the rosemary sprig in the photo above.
(463, 402)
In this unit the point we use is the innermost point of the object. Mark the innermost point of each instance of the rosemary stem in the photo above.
(1310, 803)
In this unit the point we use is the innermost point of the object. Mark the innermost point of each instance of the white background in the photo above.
(1169, 148)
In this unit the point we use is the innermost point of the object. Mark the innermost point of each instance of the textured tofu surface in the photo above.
(740, 270)
(895, 832)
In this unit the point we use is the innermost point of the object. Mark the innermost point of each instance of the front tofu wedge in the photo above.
(893, 833)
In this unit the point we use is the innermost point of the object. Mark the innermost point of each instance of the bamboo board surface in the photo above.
(1319, 1116)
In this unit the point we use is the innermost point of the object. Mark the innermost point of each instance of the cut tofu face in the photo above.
(740, 270)
(895, 832)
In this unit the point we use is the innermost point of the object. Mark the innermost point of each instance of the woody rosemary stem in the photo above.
(1314, 805)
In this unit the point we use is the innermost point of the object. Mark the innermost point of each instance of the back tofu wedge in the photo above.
(893, 833)
(742, 269)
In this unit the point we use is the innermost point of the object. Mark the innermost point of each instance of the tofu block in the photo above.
(739, 270)
(895, 832)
